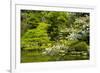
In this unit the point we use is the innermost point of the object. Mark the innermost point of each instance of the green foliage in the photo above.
(54, 36)
(36, 38)
(80, 46)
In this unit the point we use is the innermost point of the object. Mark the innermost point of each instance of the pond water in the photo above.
(36, 56)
